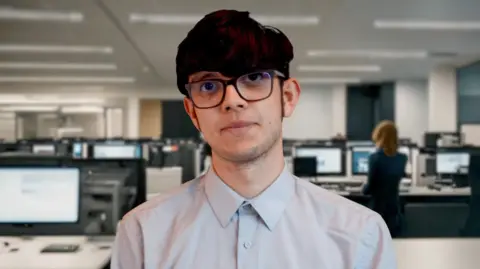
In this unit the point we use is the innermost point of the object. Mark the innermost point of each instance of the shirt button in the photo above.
(247, 245)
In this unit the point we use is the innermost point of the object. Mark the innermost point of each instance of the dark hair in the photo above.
(232, 43)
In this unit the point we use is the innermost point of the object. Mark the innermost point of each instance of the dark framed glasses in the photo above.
(255, 86)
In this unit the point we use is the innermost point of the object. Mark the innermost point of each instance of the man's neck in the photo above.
(249, 180)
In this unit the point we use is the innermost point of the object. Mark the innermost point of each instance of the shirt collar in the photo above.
(269, 205)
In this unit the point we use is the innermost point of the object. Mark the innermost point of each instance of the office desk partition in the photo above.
(92, 255)
(437, 253)
(426, 212)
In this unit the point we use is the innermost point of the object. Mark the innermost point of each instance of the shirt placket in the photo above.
(247, 227)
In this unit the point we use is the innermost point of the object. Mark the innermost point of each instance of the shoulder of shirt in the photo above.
(168, 202)
(335, 212)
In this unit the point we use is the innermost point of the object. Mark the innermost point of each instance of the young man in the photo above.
(248, 210)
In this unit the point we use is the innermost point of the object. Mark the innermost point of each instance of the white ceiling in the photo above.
(147, 52)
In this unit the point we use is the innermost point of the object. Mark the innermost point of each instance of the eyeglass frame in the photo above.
(233, 81)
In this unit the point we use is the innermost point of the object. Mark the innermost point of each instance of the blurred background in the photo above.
(91, 84)
(106, 68)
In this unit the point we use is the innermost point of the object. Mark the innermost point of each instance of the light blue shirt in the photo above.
(292, 224)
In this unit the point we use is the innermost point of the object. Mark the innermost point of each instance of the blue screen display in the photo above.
(77, 150)
(138, 151)
(360, 160)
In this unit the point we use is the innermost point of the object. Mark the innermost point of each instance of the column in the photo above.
(411, 109)
(442, 99)
(339, 110)
(132, 118)
(150, 117)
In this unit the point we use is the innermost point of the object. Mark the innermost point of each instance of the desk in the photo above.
(437, 253)
(445, 191)
(28, 256)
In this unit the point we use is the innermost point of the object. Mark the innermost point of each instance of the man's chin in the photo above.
(242, 154)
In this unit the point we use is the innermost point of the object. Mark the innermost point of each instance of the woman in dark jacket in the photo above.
(386, 170)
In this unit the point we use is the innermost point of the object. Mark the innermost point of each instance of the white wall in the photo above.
(320, 114)
(7, 126)
(132, 118)
(339, 109)
(442, 100)
(411, 109)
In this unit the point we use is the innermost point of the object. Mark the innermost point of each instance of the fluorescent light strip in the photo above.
(328, 80)
(427, 25)
(373, 54)
(61, 66)
(9, 13)
(8, 99)
(29, 108)
(55, 49)
(81, 109)
(340, 68)
(192, 19)
(27, 79)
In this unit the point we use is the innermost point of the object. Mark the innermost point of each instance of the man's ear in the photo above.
(190, 109)
(291, 94)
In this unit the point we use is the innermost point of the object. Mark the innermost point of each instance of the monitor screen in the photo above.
(360, 159)
(405, 150)
(39, 195)
(77, 150)
(451, 162)
(305, 166)
(329, 160)
(117, 151)
(43, 148)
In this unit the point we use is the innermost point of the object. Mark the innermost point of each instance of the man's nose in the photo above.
(233, 100)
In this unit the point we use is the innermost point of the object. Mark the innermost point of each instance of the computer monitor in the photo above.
(405, 150)
(360, 156)
(117, 151)
(452, 162)
(330, 160)
(359, 159)
(43, 148)
(40, 195)
(305, 166)
(77, 150)
(360, 143)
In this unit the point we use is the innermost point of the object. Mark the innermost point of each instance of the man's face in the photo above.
(240, 130)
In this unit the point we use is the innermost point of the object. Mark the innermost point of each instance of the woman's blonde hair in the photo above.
(385, 136)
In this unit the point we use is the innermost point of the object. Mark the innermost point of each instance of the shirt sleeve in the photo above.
(376, 249)
(127, 252)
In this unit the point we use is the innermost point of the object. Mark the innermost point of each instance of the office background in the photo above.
(416, 106)
(95, 76)
(414, 63)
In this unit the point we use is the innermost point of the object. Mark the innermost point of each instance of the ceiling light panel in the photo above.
(19, 48)
(52, 79)
(373, 54)
(55, 66)
(10, 13)
(7, 99)
(328, 80)
(29, 108)
(340, 68)
(81, 109)
(192, 19)
(427, 25)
